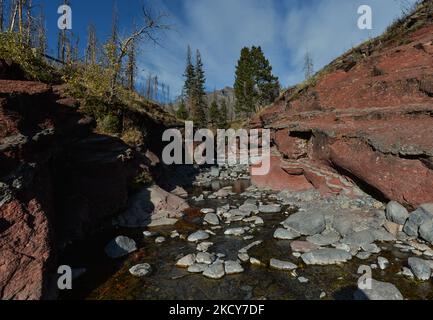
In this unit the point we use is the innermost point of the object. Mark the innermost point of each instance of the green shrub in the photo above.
(109, 124)
(33, 65)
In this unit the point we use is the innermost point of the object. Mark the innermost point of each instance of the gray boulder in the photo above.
(198, 236)
(141, 270)
(416, 220)
(212, 219)
(233, 267)
(359, 238)
(120, 247)
(215, 271)
(326, 257)
(327, 238)
(379, 291)
(270, 208)
(420, 268)
(426, 231)
(284, 234)
(282, 265)
(396, 213)
(307, 224)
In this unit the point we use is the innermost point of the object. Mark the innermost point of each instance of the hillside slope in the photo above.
(367, 116)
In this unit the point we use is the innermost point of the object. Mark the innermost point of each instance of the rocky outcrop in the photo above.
(365, 120)
(59, 181)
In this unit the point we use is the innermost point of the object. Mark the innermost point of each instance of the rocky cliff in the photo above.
(364, 120)
(59, 179)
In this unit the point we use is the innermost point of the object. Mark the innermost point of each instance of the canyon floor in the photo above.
(239, 242)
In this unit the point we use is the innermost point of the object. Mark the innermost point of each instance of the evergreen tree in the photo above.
(188, 89)
(244, 83)
(223, 119)
(266, 83)
(214, 112)
(199, 94)
(255, 85)
(182, 113)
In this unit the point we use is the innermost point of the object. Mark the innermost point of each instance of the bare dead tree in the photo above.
(308, 66)
(91, 48)
(2, 14)
(152, 25)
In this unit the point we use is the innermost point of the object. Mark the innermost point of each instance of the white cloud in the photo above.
(285, 29)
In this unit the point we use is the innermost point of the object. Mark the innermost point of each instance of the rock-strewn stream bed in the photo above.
(241, 242)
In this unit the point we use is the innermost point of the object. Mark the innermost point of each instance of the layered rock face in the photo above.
(59, 181)
(366, 119)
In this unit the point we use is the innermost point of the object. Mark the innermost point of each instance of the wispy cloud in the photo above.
(285, 30)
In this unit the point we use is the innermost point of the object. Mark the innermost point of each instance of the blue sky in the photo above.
(285, 29)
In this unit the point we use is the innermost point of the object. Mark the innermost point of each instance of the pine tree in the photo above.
(182, 113)
(244, 84)
(266, 83)
(223, 119)
(255, 85)
(199, 94)
(188, 89)
(214, 112)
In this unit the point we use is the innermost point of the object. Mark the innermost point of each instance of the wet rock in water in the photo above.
(251, 245)
(215, 271)
(282, 265)
(303, 246)
(212, 219)
(198, 236)
(233, 267)
(148, 234)
(406, 272)
(396, 213)
(379, 291)
(207, 210)
(204, 258)
(327, 238)
(363, 255)
(186, 261)
(307, 224)
(285, 234)
(120, 247)
(270, 208)
(255, 262)
(359, 238)
(160, 240)
(221, 193)
(326, 257)
(255, 220)
(197, 268)
(420, 268)
(204, 246)
(174, 234)
(248, 208)
(141, 270)
(342, 246)
(371, 248)
(303, 280)
(383, 263)
(244, 257)
(235, 232)
(323, 295)
(416, 220)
